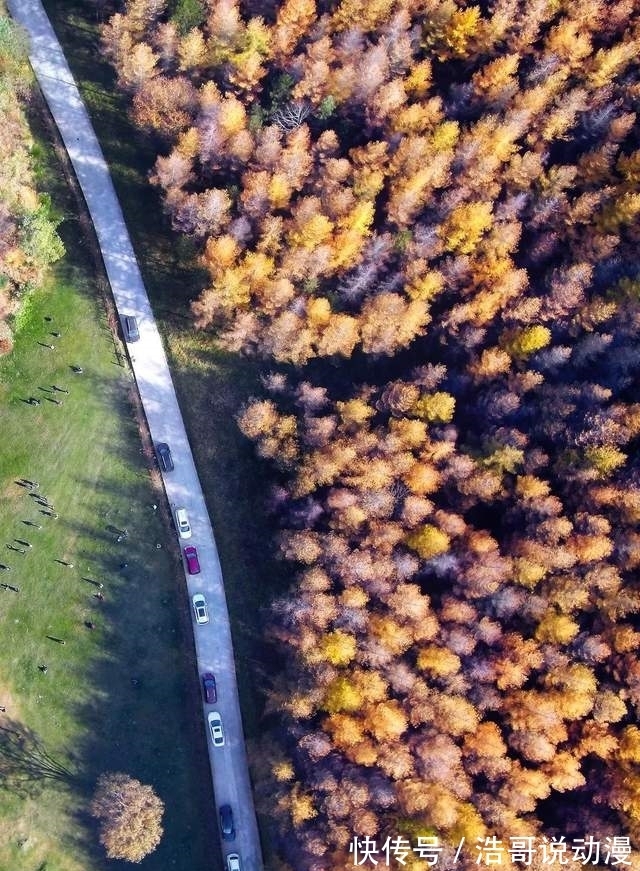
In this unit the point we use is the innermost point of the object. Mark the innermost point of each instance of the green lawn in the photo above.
(211, 384)
(124, 694)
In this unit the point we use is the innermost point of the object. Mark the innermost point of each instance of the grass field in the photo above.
(122, 695)
(211, 384)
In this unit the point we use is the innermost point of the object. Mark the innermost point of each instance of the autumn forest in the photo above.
(423, 217)
(28, 238)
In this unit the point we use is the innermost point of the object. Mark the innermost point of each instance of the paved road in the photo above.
(213, 641)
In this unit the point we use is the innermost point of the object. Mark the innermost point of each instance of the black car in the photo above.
(164, 456)
(130, 325)
(209, 688)
(226, 822)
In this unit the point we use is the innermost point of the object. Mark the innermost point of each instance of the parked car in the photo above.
(200, 608)
(182, 523)
(165, 459)
(233, 862)
(130, 327)
(217, 732)
(209, 688)
(193, 563)
(226, 823)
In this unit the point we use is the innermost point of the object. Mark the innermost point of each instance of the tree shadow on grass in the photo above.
(26, 766)
(27, 769)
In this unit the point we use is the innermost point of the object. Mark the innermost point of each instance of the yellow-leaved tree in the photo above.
(129, 815)
(428, 541)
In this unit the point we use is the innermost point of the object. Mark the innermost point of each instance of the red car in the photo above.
(209, 688)
(191, 556)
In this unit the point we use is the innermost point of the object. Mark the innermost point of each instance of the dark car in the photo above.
(209, 688)
(193, 563)
(130, 325)
(226, 822)
(164, 456)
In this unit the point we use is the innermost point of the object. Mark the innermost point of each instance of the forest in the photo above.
(28, 238)
(422, 217)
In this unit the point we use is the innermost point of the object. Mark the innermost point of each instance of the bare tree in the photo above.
(291, 115)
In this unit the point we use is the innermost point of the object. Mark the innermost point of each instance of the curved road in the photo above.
(212, 641)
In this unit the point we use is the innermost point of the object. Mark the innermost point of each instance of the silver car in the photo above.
(200, 608)
(182, 523)
(233, 862)
(217, 732)
(131, 332)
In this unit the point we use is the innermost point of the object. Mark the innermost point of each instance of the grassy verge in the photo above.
(120, 693)
(211, 384)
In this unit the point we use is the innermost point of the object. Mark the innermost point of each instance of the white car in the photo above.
(182, 523)
(200, 608)
(215, 725)
(233, 862)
